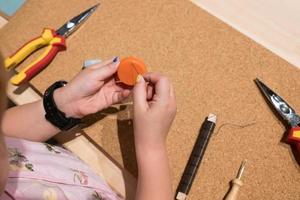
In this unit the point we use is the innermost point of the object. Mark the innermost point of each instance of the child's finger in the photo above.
(115, 87)
(140, 94)
(107, 69)
(120, 96)
(152, 77)
(150, 91)
(162, 86)
(96, 63)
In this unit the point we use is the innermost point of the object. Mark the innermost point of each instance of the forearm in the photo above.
(28, 121)
(154, 176)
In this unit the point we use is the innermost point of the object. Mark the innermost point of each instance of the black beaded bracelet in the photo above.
(53, 114)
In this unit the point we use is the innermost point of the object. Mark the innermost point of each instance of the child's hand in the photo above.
(154, 109)
(92, 90)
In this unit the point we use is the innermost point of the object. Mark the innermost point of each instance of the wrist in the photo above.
(150, 147)
(148, 136)
(151, 154)
(63, 104)
(54, 114)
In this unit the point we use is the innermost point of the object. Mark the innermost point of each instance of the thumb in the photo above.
(140, 94)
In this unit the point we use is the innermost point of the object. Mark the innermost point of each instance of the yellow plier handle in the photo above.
(48, 38)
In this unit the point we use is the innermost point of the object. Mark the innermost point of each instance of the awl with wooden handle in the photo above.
(236, 184)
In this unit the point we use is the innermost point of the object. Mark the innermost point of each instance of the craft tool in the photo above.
(196, 156)
(55, 42)
(129, 69)
(236, 183)
(88, 63)
(285, 111)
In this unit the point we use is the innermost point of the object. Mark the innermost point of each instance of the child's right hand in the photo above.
(154, 109)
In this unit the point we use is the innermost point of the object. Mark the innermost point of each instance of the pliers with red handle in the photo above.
(285, 111)
(55, 42)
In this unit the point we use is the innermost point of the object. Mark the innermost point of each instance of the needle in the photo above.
(133, 66)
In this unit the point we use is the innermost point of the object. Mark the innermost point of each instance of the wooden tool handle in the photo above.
(236, 184)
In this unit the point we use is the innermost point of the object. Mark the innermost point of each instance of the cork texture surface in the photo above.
(212, 67)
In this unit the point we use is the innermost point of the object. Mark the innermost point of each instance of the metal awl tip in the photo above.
(241, 170)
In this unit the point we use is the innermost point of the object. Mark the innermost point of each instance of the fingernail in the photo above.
(116, 59)
(138, 78)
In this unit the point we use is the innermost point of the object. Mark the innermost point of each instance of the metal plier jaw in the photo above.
(285, 111)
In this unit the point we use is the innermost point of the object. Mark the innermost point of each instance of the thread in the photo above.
(237, 126)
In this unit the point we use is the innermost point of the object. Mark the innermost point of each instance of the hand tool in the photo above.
(285, 111)
(196, 156)
(55, 42)
(236, 183)
(88, 63)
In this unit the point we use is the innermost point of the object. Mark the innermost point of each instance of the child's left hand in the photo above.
(92, 90)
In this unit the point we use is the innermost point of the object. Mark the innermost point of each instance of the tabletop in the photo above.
(212, 67)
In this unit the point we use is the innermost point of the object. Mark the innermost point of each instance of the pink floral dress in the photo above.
(42, 171)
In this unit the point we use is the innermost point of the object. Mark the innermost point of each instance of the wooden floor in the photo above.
(2, 21)
(275, 24)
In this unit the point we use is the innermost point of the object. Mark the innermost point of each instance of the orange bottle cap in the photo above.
(129, 68)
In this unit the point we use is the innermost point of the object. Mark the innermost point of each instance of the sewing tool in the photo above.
(236, 183)
(91, 62)
(196, 156)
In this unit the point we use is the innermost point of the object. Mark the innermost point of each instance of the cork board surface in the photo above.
(212, 67)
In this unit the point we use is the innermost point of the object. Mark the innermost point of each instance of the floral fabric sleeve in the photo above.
(43, 171)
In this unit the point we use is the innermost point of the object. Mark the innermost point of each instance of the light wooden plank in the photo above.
(21, 95)
(274, 24)
(3, 21)
(119, 179)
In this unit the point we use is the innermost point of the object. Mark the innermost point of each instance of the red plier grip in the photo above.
(294, 137)
(49, 38)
